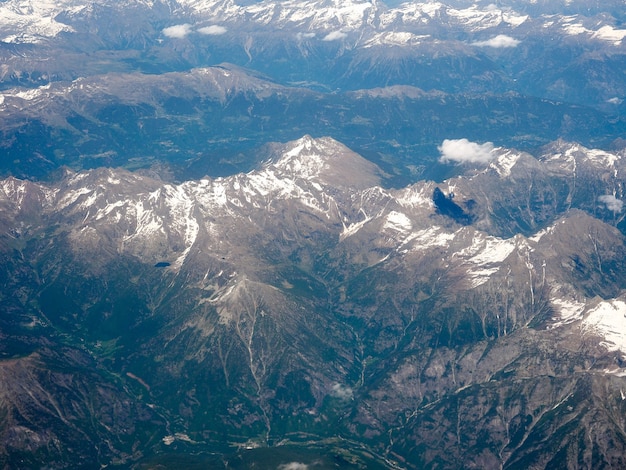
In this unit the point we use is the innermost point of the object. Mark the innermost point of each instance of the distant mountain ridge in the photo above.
(214, 120)
(462, 46)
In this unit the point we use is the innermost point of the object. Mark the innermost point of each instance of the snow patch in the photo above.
(484, 256)
(505, 163)
(608, 33)
(513, 18)
(398, 222)
(395, 38)
(72, 196)
(181, 210)
(31, 21)
(608, 319)
(15, 190)
(28, 95)
(426, 239)
(599, 157)
(492, 250)
(353, 228)
(574, 29)
(147, 223)
(415, 197)
(567, 310)
(476, 18)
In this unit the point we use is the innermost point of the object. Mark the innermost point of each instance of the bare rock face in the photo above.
(302, 302)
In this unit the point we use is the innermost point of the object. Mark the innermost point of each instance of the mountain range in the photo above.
(302, 305)
(213, 120)
(455, 46)
(199, 86)
(312, 234)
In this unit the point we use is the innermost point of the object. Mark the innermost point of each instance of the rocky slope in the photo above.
(479, 320)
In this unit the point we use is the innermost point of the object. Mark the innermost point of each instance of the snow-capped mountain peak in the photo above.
(325, 161)
(505, 161)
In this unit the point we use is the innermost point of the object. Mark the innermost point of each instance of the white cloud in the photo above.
(612, 203)
(342, 391)
(178, 31)
(301, 36)
(213, 30)
(293, 466)
(462, 150)
(499, 41)
(615, 100)
(334, 36)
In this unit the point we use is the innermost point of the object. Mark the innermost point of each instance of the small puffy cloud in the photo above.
(301, 36)
(615, 100)
(342, 391)
(500, 41)
(334, 36)
(178, 31)
(213, 30)
(462, 151)
(612, 203)
(293, 466)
